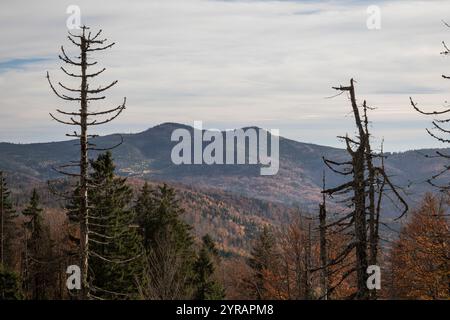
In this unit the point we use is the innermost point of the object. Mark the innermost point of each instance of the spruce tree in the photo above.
(9, 285)
(163, 216)
(116, 252)
(115, 249)
(7, 228)
(207, 287)
(39, 270)
(168, 243)
(143, 208)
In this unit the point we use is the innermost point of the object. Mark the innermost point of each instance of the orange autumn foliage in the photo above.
(420, 257)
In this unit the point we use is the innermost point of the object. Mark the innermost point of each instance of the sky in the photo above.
(232, 64)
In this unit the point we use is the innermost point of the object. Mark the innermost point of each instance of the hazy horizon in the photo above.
(339, 145)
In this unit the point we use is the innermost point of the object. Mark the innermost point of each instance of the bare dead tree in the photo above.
(294, 275)
(324, 282)
(359, 195)
(308, 264)
(440, 133)
(83, 118)
(162, 279)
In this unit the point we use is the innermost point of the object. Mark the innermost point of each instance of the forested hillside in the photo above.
(147, 155)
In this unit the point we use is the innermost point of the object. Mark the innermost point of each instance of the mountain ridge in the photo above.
(147, 155)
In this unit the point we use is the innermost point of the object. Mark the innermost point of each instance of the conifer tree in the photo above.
(38, 266)
(163, 217)
(115, 254)
(9, 285)
(207, 288)
(116, 251)
(168, 244)
(143, 209)
(7, 230)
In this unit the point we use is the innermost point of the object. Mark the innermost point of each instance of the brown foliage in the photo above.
(420, 257)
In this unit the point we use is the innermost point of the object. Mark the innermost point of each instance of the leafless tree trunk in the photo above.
(359, 197)
(440, 179)
(83, 118)
(323, 245)
(162, 279)
(360, 191)
(308, 263)
(373, 239)
(25, 273)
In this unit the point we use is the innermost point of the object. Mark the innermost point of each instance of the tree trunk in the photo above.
(84, 235)
(323, 251)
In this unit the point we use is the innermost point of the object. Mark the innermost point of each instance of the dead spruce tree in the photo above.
(324, 281)
(438, 180)
(362, 195)
(83, 118)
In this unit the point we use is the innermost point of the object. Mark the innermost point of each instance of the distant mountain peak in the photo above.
(147, 155)
(176, 125)
(166, 126)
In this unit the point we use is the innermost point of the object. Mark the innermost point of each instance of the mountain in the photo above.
(147, 155)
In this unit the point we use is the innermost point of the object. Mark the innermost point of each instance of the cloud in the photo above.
(233, 63)
(18, 63)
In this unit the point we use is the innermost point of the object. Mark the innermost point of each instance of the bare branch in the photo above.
(102, 48)
(73, 123)
(414, 105)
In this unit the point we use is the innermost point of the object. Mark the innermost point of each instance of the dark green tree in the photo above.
(38, 263)
(9, 285)
(144, 208)
(116, 252)
(159, 211)
(168, 242)
(115, 244)
(7, 228)
(207, 287)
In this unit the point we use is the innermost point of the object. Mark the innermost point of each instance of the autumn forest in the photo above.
(115, 217)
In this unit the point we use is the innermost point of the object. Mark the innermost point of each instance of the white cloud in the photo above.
(233, 63)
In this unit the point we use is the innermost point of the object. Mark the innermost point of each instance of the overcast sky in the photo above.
(233, 64)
